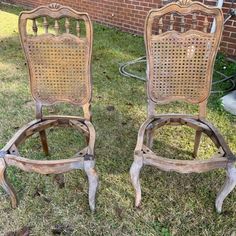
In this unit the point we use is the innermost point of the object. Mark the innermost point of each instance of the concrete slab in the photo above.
(229, 102)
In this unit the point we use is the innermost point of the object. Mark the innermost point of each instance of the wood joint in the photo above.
(88, 157)
(138, 152)
(2, 153)
(231, 157)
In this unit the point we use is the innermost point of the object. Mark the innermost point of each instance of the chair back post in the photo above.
(180, 58)
(59, 63)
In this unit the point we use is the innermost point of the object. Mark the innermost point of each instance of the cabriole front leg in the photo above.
(4, 183)
(227, 188)
(89, 167)
(134, 174)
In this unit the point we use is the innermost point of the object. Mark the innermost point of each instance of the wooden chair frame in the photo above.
(143, 155)
(84, 159)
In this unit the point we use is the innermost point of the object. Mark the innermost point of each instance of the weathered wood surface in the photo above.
(19, 135)
(79, 161)
(172, 59)
(198, 136)
(6, 185)
(134, 174)
(52, 87)
(45, 166)
(227, 188)
(184, 166)
(80, 126)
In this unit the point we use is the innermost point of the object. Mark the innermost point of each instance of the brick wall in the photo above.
(129, 15)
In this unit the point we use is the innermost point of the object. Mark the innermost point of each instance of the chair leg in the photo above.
(5, 185)
(134, 174)
(87, 140)
(227, 187)
(198, 136)
(44, 142)
(150, 134)
(93, 182)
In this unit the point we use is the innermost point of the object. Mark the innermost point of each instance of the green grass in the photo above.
(173, 204)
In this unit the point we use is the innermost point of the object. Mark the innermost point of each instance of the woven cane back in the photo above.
(179, 61)
(59, 63)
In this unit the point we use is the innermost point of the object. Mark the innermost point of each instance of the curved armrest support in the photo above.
(141, 134)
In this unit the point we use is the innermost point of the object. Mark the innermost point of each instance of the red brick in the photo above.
(226, 33)
(233, 35)
(129, 15)
(229, 39)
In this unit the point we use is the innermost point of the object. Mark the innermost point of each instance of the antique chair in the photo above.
(60, 71)
(179, 67)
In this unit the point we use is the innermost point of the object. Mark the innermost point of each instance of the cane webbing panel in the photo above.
(58, 68)
(179, 66)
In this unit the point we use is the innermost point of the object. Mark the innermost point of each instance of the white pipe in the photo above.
(219, 4)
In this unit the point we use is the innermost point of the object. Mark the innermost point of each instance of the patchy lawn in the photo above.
(173, 204)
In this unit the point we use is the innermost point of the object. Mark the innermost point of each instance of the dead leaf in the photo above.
(129, 104)
(119, 212)
(62, 229)
(39, 193)
(25, 231)
(59, 180)
(110, 108)
(108, 77)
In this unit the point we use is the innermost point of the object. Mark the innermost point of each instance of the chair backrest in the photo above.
(59, 63)
(180, 58)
